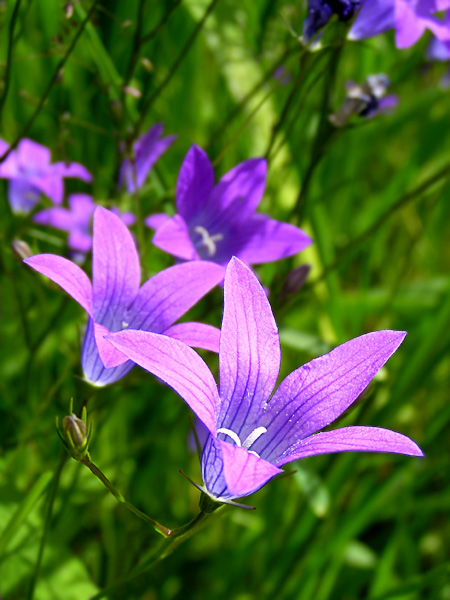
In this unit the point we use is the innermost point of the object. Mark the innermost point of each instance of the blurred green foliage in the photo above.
(374, 200)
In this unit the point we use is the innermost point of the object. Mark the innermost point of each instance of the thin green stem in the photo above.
(182, 54)
(51, 83)
(151, 34)
(164, 531)
(12, 26)
(48, 517)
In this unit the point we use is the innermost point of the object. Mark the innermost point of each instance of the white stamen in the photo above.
(125, 324)
(209, 241)
(232, 435)
(251, 439)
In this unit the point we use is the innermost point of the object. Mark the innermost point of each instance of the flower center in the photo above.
(249, 440)
(207, 241)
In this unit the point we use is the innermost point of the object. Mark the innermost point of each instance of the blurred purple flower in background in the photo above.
(215, 222)
(115, 301)
(250, 434)
(147, 149)
(77, 220)
(409, 18)
(437, 49)
(366, 100)
(321, 11)
(31, 174)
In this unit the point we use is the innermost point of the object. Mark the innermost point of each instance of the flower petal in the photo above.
(71, 169)
(352, 439)
(115, 270)
(155, 221)
(60, 218)
(66, 274)
(22, 196)
(94, 370)
(168, 295)
(195, 183)
(249, 357)
(173, 237)
(271, 240)
(33, 157)
(374, 17)
(316, 394)
(232, 472)
(177, 365)
(240, 190)
(197, 335)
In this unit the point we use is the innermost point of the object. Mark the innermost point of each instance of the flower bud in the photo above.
(21, 249)
(76, 434)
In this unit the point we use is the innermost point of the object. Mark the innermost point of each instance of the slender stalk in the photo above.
(164, 531)
(51, 83)
(137, 42)
(149, 36)
(12, 26)
(48, 517)
(183, 53)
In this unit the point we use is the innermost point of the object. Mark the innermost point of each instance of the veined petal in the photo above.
(168, 295)
(155, 221)
(115, 269)
(233, 472)
(177, 365)
(195, 183)
(271, 240)
(352, 439)
(66, 274)
(197, 335)
(173, 237)
(240, 189)
(316, 394)
(249, 357)
(109, 354)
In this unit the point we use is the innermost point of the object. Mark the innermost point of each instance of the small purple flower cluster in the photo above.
(252, 431)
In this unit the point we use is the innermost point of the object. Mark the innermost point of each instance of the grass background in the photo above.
(373, 198)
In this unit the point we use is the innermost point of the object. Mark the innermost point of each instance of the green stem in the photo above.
(165, 548)
(7, 78)
(164, 531)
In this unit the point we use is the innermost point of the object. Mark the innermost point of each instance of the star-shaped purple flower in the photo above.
(115, 301)
(147, 149)
(215, 222)
(409, 18)
(31, 174)
(77, 220)
(251, 434)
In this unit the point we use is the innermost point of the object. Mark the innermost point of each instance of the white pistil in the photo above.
(249, 440)
(125, 324)
(209, 241)
(232, 435)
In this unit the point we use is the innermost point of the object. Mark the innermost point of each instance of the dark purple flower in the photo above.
(251, 434)
(366, 100)
(77, 220)
(321, 11)
(409, 18)
(215, 222)
(115, 301)
(147, 149)
(31, 174)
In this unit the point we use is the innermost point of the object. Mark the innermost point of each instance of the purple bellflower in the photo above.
(250, 434)
(77, 220)
(409, 18)
(31, 174)
(321, 11)
(215, 222)
(437, 49)
(114, 300)
(147, 149)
